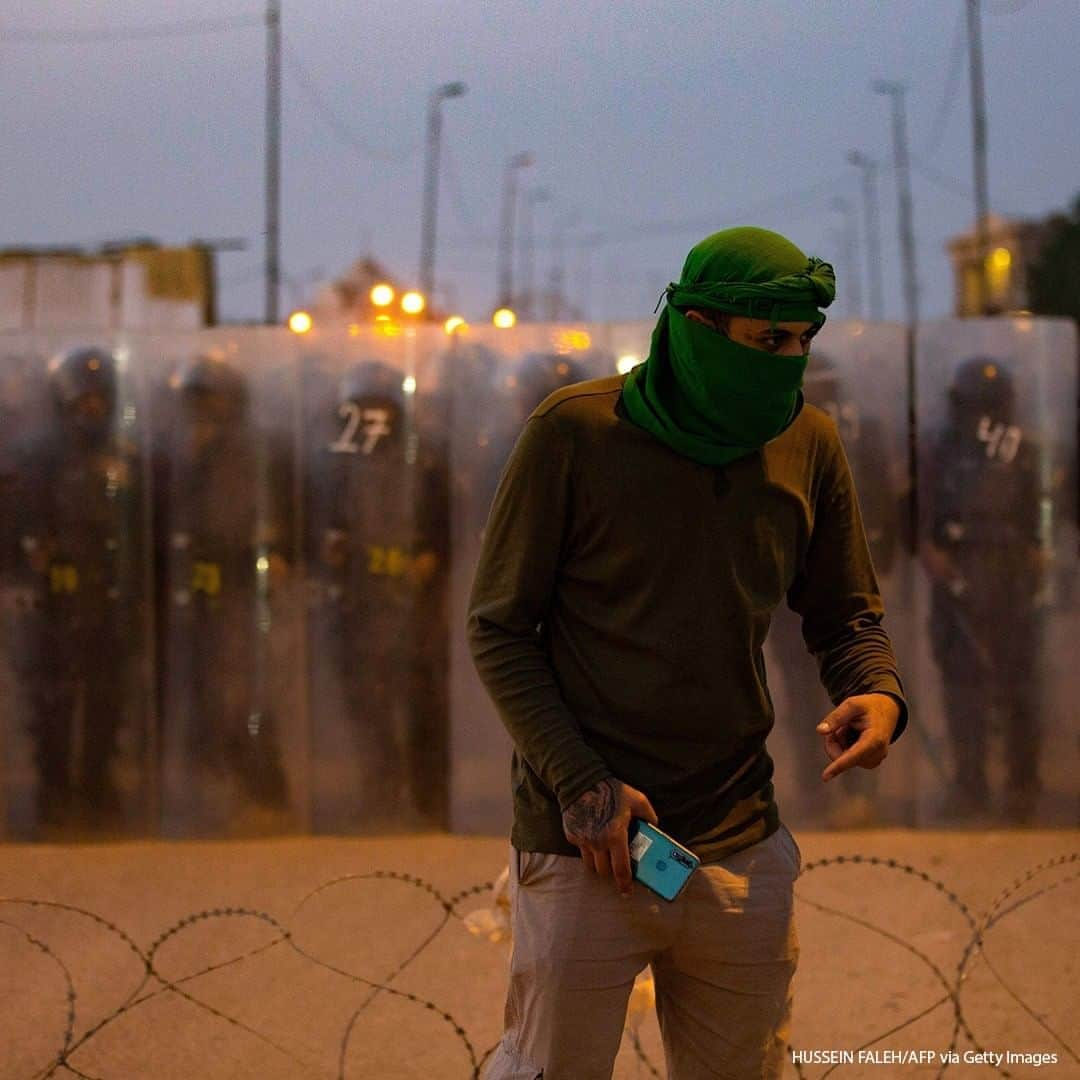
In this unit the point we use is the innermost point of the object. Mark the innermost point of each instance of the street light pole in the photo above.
(273, 159)
(895, 91)
(849, 245)
(431, 184)
(871, 230)
(505, 286)
(978, 129)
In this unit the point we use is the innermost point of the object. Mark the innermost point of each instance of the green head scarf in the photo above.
(704, 395)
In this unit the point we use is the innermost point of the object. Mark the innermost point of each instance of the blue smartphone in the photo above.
(659, 861)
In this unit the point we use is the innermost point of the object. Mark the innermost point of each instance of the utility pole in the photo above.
(431, 185)
(895, 91)
(273, 158)
(505, 286)
(978, 129)
(871, 231)
(849, 244)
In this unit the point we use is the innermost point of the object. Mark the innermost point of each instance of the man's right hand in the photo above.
(598, 824)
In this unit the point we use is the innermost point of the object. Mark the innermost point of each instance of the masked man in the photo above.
(643, 531)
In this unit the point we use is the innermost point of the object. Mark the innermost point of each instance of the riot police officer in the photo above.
(78, 634)
(984, 556)
(519, 389)
(375, 555)
(223, 543)
(865, 445)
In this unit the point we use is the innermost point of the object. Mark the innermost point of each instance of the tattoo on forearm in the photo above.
(590, 814)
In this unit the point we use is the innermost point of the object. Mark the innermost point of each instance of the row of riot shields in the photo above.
(235, 567)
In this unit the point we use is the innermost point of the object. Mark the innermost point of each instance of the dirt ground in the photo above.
(270, 949)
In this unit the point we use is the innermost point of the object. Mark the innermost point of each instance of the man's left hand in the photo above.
(857, 732)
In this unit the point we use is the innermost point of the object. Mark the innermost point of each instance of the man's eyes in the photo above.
(776, 342)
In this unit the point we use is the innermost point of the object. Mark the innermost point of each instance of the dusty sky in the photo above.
(652, 123)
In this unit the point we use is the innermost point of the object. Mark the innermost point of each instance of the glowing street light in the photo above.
(455, 322)
(300, 322)
(431, 182)
(413, 302)
(382, 295)
(504, 318)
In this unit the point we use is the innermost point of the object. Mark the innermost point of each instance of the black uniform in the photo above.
(377, 547)
(76, 566)
(866, 449)
(982, 499)
(222, 537)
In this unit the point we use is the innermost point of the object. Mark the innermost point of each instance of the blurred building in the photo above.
(1010, 246)
(136, 285)
(348, 298)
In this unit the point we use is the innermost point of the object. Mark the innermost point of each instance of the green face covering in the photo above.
(710, 398)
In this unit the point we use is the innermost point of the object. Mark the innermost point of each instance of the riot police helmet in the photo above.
(540, 374)
(371, 379)
(982, 385)
(213, 399)
(83, 382)
(209, 379)
(371, 400)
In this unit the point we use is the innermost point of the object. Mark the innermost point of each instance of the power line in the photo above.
(333, 120)
(188, 28)
(952, 86)
(464, 212)
(1007, 7)
(680, 227)
(941, 179)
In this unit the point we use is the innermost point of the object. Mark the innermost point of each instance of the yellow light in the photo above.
(382, 295)
(300, 322)
(627, 363)
(998, 264)
(412, 303)
(386, 327)
(504, 318)
(262, 564)
(569, 340)
(455, 322)
(409, 385)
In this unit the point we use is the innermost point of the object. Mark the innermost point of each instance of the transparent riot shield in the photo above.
(375, 478)
(856, 374)
(76, 739)
(998, 559)
(499, 377)
(628, 344)
(227, 576)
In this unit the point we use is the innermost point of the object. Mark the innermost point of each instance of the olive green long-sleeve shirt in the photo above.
(621, 601)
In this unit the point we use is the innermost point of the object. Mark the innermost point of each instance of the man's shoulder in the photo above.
(815, 428)
(582, 399)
